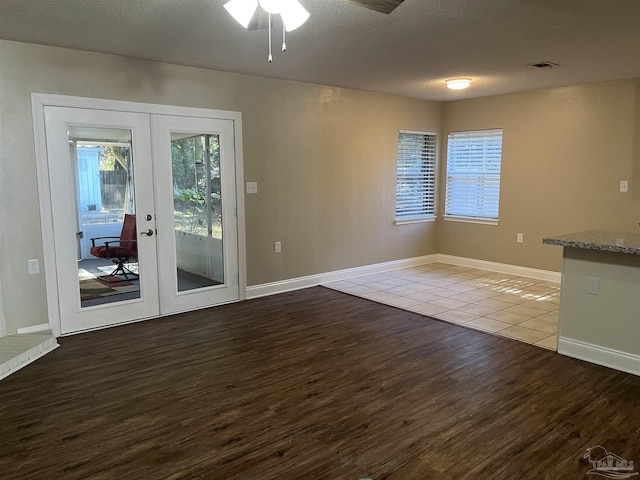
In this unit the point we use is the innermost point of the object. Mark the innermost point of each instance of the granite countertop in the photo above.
(623, 240)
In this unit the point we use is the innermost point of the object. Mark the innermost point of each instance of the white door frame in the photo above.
(40, 100)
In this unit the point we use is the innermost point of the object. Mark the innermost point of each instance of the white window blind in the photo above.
(473, 174)
(416, 175)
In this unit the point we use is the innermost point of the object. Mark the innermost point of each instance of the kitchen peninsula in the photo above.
(599, 317)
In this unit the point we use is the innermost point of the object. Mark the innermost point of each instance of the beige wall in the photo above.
(565, 151)
(324, 159)
(3, 326)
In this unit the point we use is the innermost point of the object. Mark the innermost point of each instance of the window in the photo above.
(473, 175)
(416, 176)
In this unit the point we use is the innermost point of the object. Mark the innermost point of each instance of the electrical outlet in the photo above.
(520, 237)
(33, 266)
(593, 285)
(624, 186)
(277, 247)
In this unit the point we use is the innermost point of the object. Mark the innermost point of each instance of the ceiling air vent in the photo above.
(543, 65)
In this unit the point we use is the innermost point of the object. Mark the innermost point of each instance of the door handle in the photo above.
(149, 232)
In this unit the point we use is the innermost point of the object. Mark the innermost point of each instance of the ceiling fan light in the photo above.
(273, 6)
(458, 83)
(242, 10)
(293, 15)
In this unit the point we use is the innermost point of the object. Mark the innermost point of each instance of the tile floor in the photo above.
(521, 308)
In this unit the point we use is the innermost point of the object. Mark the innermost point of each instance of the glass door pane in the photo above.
(197, 210)
(105, 201)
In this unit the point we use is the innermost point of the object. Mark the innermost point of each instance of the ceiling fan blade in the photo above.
(259, 21)
(382, 6)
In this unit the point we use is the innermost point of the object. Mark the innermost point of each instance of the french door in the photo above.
(171, 176)
(196, 212)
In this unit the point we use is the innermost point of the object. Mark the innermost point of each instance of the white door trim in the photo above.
(38, 103)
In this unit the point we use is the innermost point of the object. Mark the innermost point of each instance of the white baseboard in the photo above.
(282, 286)
(44, 327)
(545, 275)
(607, 357)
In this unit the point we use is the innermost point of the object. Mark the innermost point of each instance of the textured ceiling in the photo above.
(410, 52)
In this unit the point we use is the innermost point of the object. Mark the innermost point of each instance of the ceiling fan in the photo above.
(260, 19)
(256, 14)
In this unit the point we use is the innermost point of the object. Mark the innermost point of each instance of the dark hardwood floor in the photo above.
(313, 384)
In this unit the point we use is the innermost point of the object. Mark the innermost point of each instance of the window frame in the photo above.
(470, 218)
(425, 217)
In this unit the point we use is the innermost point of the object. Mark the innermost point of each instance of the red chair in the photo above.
(120, 250)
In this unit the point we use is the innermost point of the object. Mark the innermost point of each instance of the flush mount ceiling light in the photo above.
(293, 14)
(458, 83)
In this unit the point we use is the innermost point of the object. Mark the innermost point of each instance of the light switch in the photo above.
(252, 187)
(624, 186)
